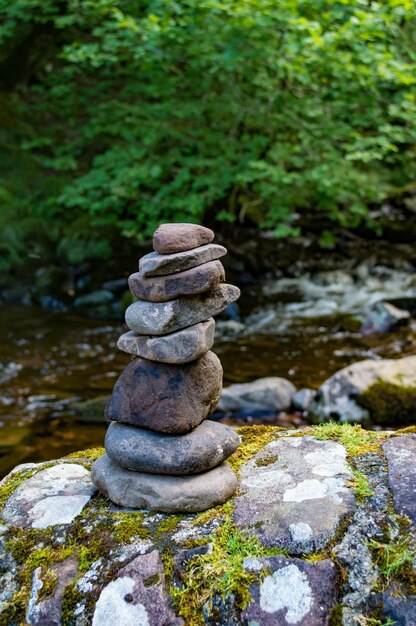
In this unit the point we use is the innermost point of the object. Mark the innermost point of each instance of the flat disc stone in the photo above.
(161, 318)
(167, 494)
(188, 283)
(205, 447)
(166, 398)
(155, 264)
(183, 346)
(171, 238)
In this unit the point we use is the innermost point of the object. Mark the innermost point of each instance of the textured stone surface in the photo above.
(399, 608)
(382, 317)
(169, 494)
(337, 394)
(170, 238)
(182, 346)
(48, 611)
(137, 597)
(55, 495)
(401, 457)
(188, 283)
(166, 398)
(293, 593)
(155, 264)
(270, 394)
(206, 446)
(161, 318)
(294, 493)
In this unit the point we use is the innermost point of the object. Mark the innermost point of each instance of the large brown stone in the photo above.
(188, 283)
(161, 318)
(170, 238)
(154, 264)
(184, 346)
(166, 398)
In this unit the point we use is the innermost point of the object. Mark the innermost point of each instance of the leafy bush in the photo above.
(136, 112)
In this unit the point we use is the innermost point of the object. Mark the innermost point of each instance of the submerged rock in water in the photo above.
(382, 317)
(268, 394)
(383, 390)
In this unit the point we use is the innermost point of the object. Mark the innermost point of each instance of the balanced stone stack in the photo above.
(161, 453)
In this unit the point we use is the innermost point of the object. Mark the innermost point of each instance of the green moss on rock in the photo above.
(389, 403)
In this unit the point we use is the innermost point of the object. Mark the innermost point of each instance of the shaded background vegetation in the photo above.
(117, 114)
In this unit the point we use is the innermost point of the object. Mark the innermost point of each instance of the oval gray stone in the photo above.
(183, 346)
(167, 494)
(161, 318)
(141, 450)
(166, 398)
(154, 264)
(188, 283)
(170, 238)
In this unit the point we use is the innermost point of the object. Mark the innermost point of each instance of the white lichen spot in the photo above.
(252, 564)
(287, 588)
(300, 531)
(57, 510)
(112, 608)
(329, 461)
(310, 489)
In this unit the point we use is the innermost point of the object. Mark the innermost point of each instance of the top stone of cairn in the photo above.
(171, 238)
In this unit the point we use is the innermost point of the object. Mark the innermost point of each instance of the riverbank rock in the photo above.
(383, 391)
(166, 398)
(107, 564)
(268, 394)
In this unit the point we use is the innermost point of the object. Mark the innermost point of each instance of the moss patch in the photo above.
(389, 403)
(395, 561)
(361, 486)
(353, 437)
(254, 438)
(267, 460)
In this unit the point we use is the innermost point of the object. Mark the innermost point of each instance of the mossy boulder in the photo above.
(379, 392)
(69, 556)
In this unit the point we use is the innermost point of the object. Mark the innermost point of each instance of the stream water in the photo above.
(302, 330)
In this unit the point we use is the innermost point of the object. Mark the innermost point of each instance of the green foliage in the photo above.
(121, 114)
(353, 437)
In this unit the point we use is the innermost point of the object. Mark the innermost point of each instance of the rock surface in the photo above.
(169, 494)
(382, 317)
(401, 458)
(291, 593)
(55, 495)
(166, 398)
(171, 238)
(208, 445)
(137, 596)
(182, 346)
(155, 264)
(161, 318)
(198, 568)
(188, 283)
(337, 397)
(302, 483)
(270, 394)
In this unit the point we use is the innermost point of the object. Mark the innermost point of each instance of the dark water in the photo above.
(50, 360)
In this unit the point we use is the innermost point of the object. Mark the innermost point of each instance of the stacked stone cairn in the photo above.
(161, 452)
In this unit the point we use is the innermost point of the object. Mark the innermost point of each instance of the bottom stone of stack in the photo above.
(166, 494)
(208, 445)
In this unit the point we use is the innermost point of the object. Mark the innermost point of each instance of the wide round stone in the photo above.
(166, 398)
(161, 318)
(205, 447)
(184, 346)
(187, 283)
(167, 494)
(170, 238)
